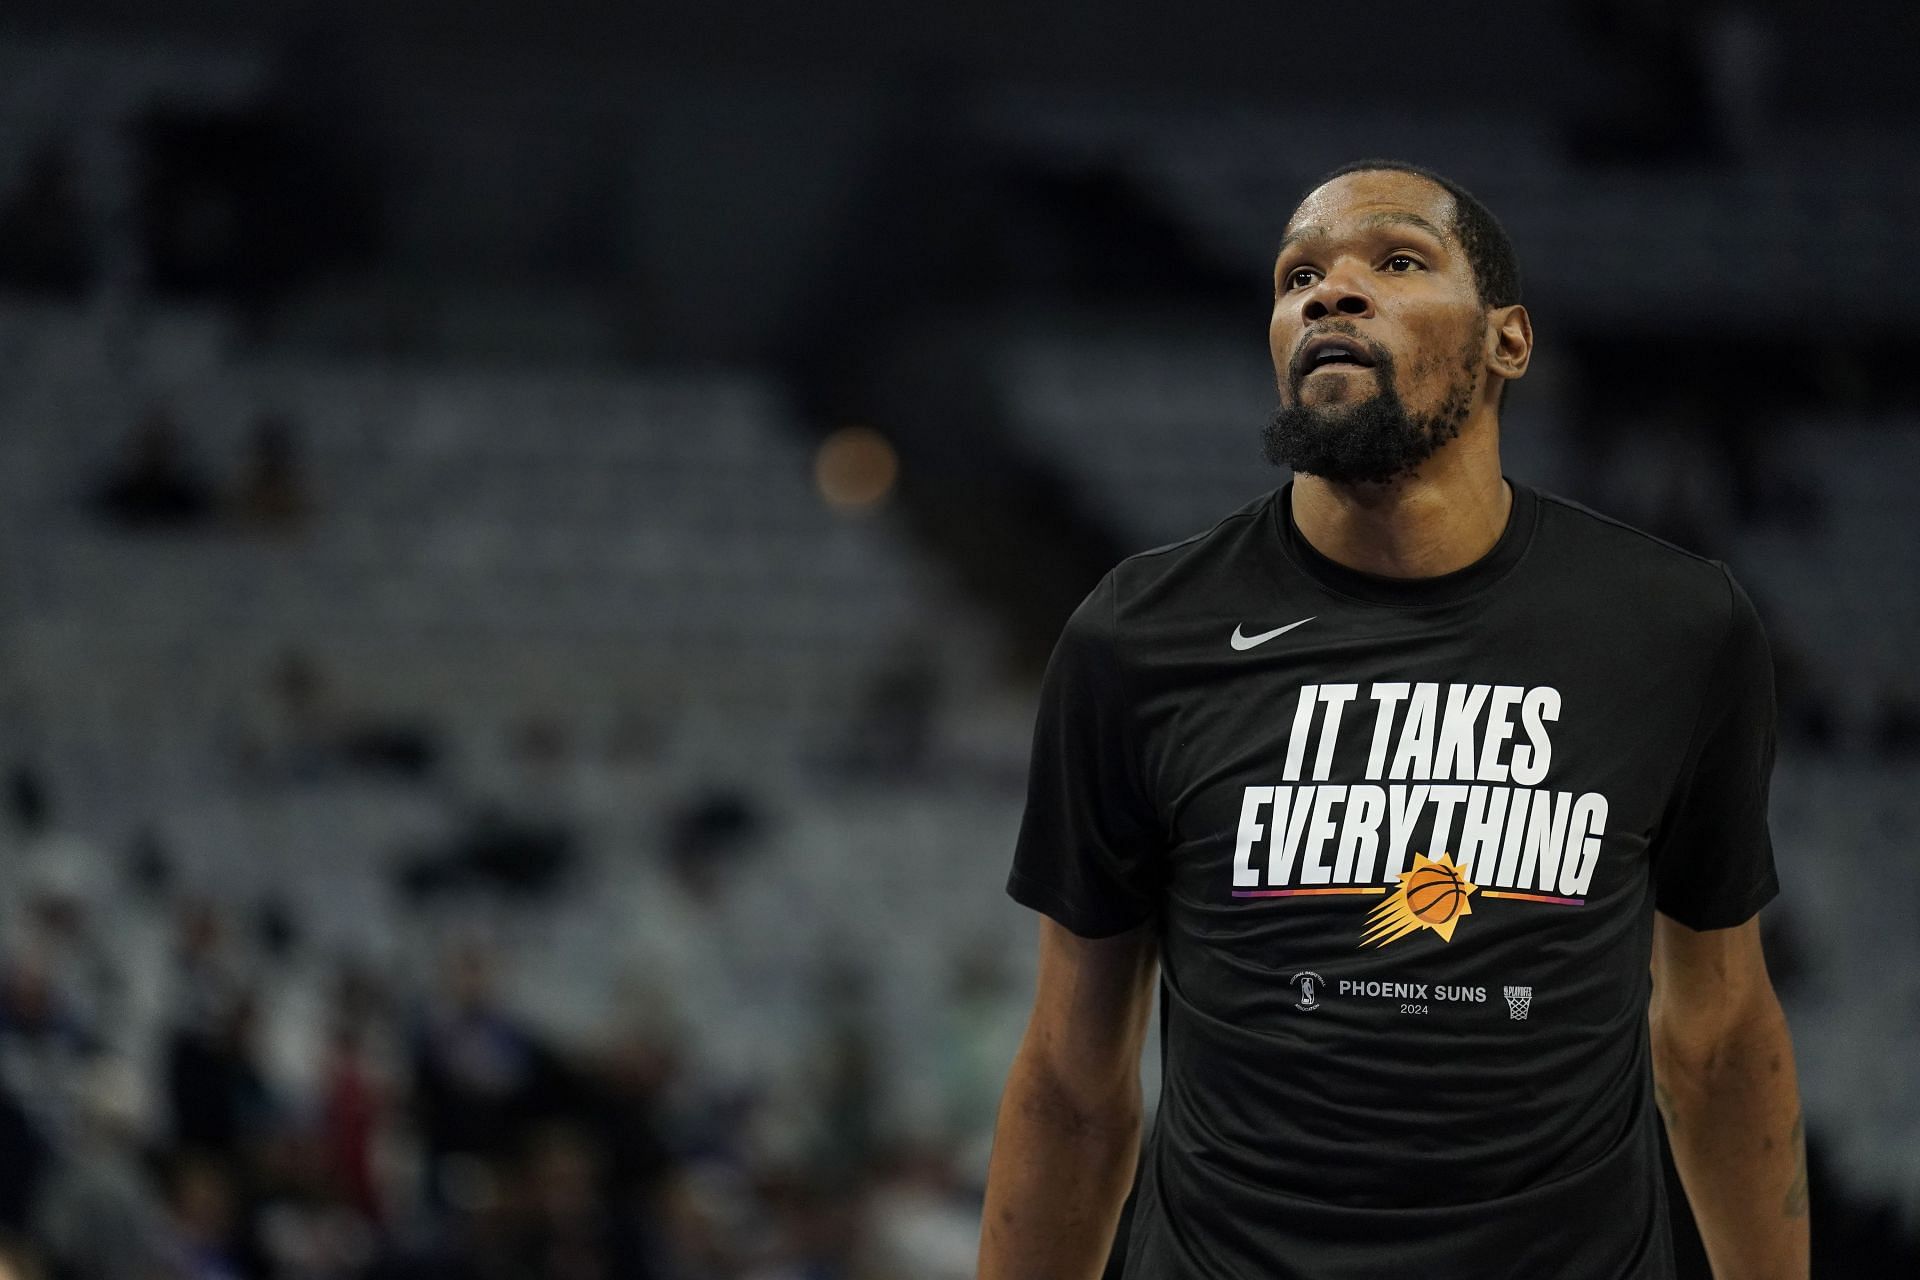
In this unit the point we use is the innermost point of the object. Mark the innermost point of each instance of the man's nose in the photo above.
(1339, 292)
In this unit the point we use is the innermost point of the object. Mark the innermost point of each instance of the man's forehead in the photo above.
(1369, 199)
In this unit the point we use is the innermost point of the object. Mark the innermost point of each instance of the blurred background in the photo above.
(528, 534)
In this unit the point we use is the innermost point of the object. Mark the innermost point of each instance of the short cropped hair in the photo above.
(1496, 271)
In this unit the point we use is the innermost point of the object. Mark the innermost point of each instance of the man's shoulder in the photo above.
(1578, 529)
(1617, 565)
(1615, 533)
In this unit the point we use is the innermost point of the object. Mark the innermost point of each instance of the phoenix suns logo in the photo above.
(1432, 895)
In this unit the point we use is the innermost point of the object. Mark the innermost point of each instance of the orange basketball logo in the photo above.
(1435, 893)
(1432, 895)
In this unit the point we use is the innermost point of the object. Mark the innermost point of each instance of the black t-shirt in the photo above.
(1403, 841)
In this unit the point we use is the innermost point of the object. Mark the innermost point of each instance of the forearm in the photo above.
(1059, 1175)
(1732, 1111)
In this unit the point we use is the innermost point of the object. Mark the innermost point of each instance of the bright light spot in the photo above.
(855, 469)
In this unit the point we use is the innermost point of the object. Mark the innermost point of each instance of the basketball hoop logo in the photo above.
(1309, 984)
(1519, 1000)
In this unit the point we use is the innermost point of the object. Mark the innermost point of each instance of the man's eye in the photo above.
(1301, 278)
(1402, 262)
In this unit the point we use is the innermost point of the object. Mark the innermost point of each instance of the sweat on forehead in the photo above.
(1424, 203)
(1372, 222)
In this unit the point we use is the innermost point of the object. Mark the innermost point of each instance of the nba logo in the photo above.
(1519, 999)
(1309, 984)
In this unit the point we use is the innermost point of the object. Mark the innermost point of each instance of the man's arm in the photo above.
(1724, 1079)
(1069, 1130)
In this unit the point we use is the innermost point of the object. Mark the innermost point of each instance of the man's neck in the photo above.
(1443, 518)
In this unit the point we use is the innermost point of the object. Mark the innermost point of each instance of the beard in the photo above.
(1370, 441)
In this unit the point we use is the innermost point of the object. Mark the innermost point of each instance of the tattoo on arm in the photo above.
(1796, 1202)
(1663, 1099)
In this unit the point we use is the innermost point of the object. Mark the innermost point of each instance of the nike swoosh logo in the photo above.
(1247, 642)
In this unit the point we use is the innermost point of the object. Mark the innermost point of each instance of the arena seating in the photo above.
(615, 555)
(640, 559)
(1661, 246)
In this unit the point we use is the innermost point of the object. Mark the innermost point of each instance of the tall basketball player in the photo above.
(1438, 806)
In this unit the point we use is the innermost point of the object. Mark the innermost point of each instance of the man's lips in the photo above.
(1331, 351)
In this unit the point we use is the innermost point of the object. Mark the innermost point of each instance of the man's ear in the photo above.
(1509, 341)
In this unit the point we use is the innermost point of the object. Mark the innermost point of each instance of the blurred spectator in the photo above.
(300, 1225)
(469, 1238)
(202, 1218)
(44, 247)
(57, 880)
(571, 1230)
(848, 1094)
(217, 1088)
(150, 863)
(705, 937)
(43, 1045)
(206, 978)
(815, 1228)
(99, 1214)
(480, 1076)
(272, 495)
(498, 851)
(354, 1100)
(923, 1224)
(702, 1216)
(710, 834)
(632, 1077)
(299, 736)
(306, 733)
(157, 485)
(217, 1092)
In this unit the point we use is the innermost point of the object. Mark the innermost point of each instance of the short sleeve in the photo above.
(1090, 853)
(1713, 860)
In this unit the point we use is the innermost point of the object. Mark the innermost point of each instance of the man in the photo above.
(1403, 777)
